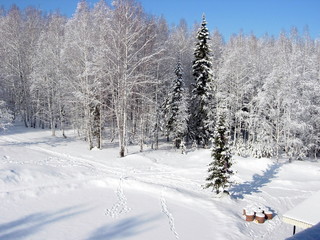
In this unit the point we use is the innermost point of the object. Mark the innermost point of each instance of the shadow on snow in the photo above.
(123, 228)
(31, 224)
(257, 182)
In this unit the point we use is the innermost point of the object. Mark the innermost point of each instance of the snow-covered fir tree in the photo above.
(108, 68)
(219, 169)
(202, 102)
(175, 112)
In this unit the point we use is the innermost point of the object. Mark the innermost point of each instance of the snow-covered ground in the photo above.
(55, 188)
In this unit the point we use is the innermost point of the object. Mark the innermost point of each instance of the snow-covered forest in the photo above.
(109, 72)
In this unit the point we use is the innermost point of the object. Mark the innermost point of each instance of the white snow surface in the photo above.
(302, 212)
(55, 188)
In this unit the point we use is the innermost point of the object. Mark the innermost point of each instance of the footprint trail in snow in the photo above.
(165, 210)
(121, 206)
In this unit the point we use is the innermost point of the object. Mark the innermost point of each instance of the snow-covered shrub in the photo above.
(6, 117)
(261, 150)
(296, 149)
(241, 149)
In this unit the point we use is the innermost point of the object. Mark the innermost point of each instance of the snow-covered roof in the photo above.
(305, 214)
(312, 233)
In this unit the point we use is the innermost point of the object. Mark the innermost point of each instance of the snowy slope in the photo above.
(55, 188)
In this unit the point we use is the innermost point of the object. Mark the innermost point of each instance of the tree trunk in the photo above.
(53, 128)
(121, 151)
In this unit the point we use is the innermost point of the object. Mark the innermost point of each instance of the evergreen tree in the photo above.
(175, 109)
(219, 168)
(165, 107)
(201, 108)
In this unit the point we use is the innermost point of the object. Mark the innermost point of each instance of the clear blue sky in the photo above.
(229, 16)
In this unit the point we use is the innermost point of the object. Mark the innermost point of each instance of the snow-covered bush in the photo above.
(261, 151)
(5, 116)
(241, 148)
(296, 149)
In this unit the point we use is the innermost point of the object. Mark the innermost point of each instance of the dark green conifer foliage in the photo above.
(219, 169)
(174, 109)
(201, 122)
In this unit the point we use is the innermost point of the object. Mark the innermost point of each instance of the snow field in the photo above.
(54, 188)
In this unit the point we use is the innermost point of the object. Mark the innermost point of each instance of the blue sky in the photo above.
(229, 16)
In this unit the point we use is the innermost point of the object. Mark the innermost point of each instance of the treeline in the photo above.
(109, 72)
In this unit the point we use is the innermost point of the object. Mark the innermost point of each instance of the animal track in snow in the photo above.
(121, 207)
(165, 210)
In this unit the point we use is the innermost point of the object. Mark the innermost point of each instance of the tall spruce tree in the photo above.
(219, 169)
(201, 108)
(175, 109)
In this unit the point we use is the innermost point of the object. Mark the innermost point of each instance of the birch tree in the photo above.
(131, 40)
(79, 58)
(20, 33)
(48, 87)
